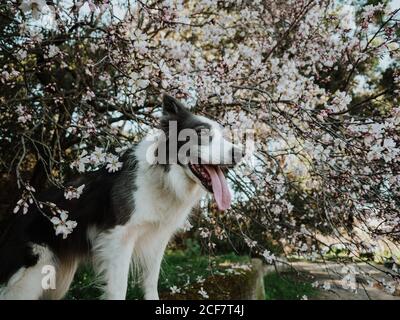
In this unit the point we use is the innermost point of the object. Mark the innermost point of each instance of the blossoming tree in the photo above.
(311, 86)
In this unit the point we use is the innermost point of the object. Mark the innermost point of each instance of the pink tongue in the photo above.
(220, 188)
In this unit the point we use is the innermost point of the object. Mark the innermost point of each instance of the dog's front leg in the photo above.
(151, 252)
(112, 257)
(116, 277)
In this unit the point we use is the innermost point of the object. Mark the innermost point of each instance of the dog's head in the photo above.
(198, 145)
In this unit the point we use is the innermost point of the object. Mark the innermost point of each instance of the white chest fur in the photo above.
(164, 197)
(163, 200)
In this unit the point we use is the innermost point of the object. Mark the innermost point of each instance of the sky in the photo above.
(395, 4)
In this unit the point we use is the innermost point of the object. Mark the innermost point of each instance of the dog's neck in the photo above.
(171, 177)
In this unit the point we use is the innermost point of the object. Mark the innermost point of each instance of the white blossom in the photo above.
(175, 289)
(203, 293)
(73, 193)
(113, 163)
(34, 6)
(62, 225)
(268, 256)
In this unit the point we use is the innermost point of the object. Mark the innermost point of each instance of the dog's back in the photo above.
(104, 204)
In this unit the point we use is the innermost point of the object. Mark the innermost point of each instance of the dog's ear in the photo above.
(172, 106)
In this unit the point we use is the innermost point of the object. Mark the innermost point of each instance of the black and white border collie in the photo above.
(123, 217)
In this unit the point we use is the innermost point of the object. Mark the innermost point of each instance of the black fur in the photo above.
(174, 111)
(107, 201)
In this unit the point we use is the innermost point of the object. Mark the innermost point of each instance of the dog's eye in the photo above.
(205, 134)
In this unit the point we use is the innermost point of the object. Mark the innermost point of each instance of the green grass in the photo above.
(288, 286)
(180, 268)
